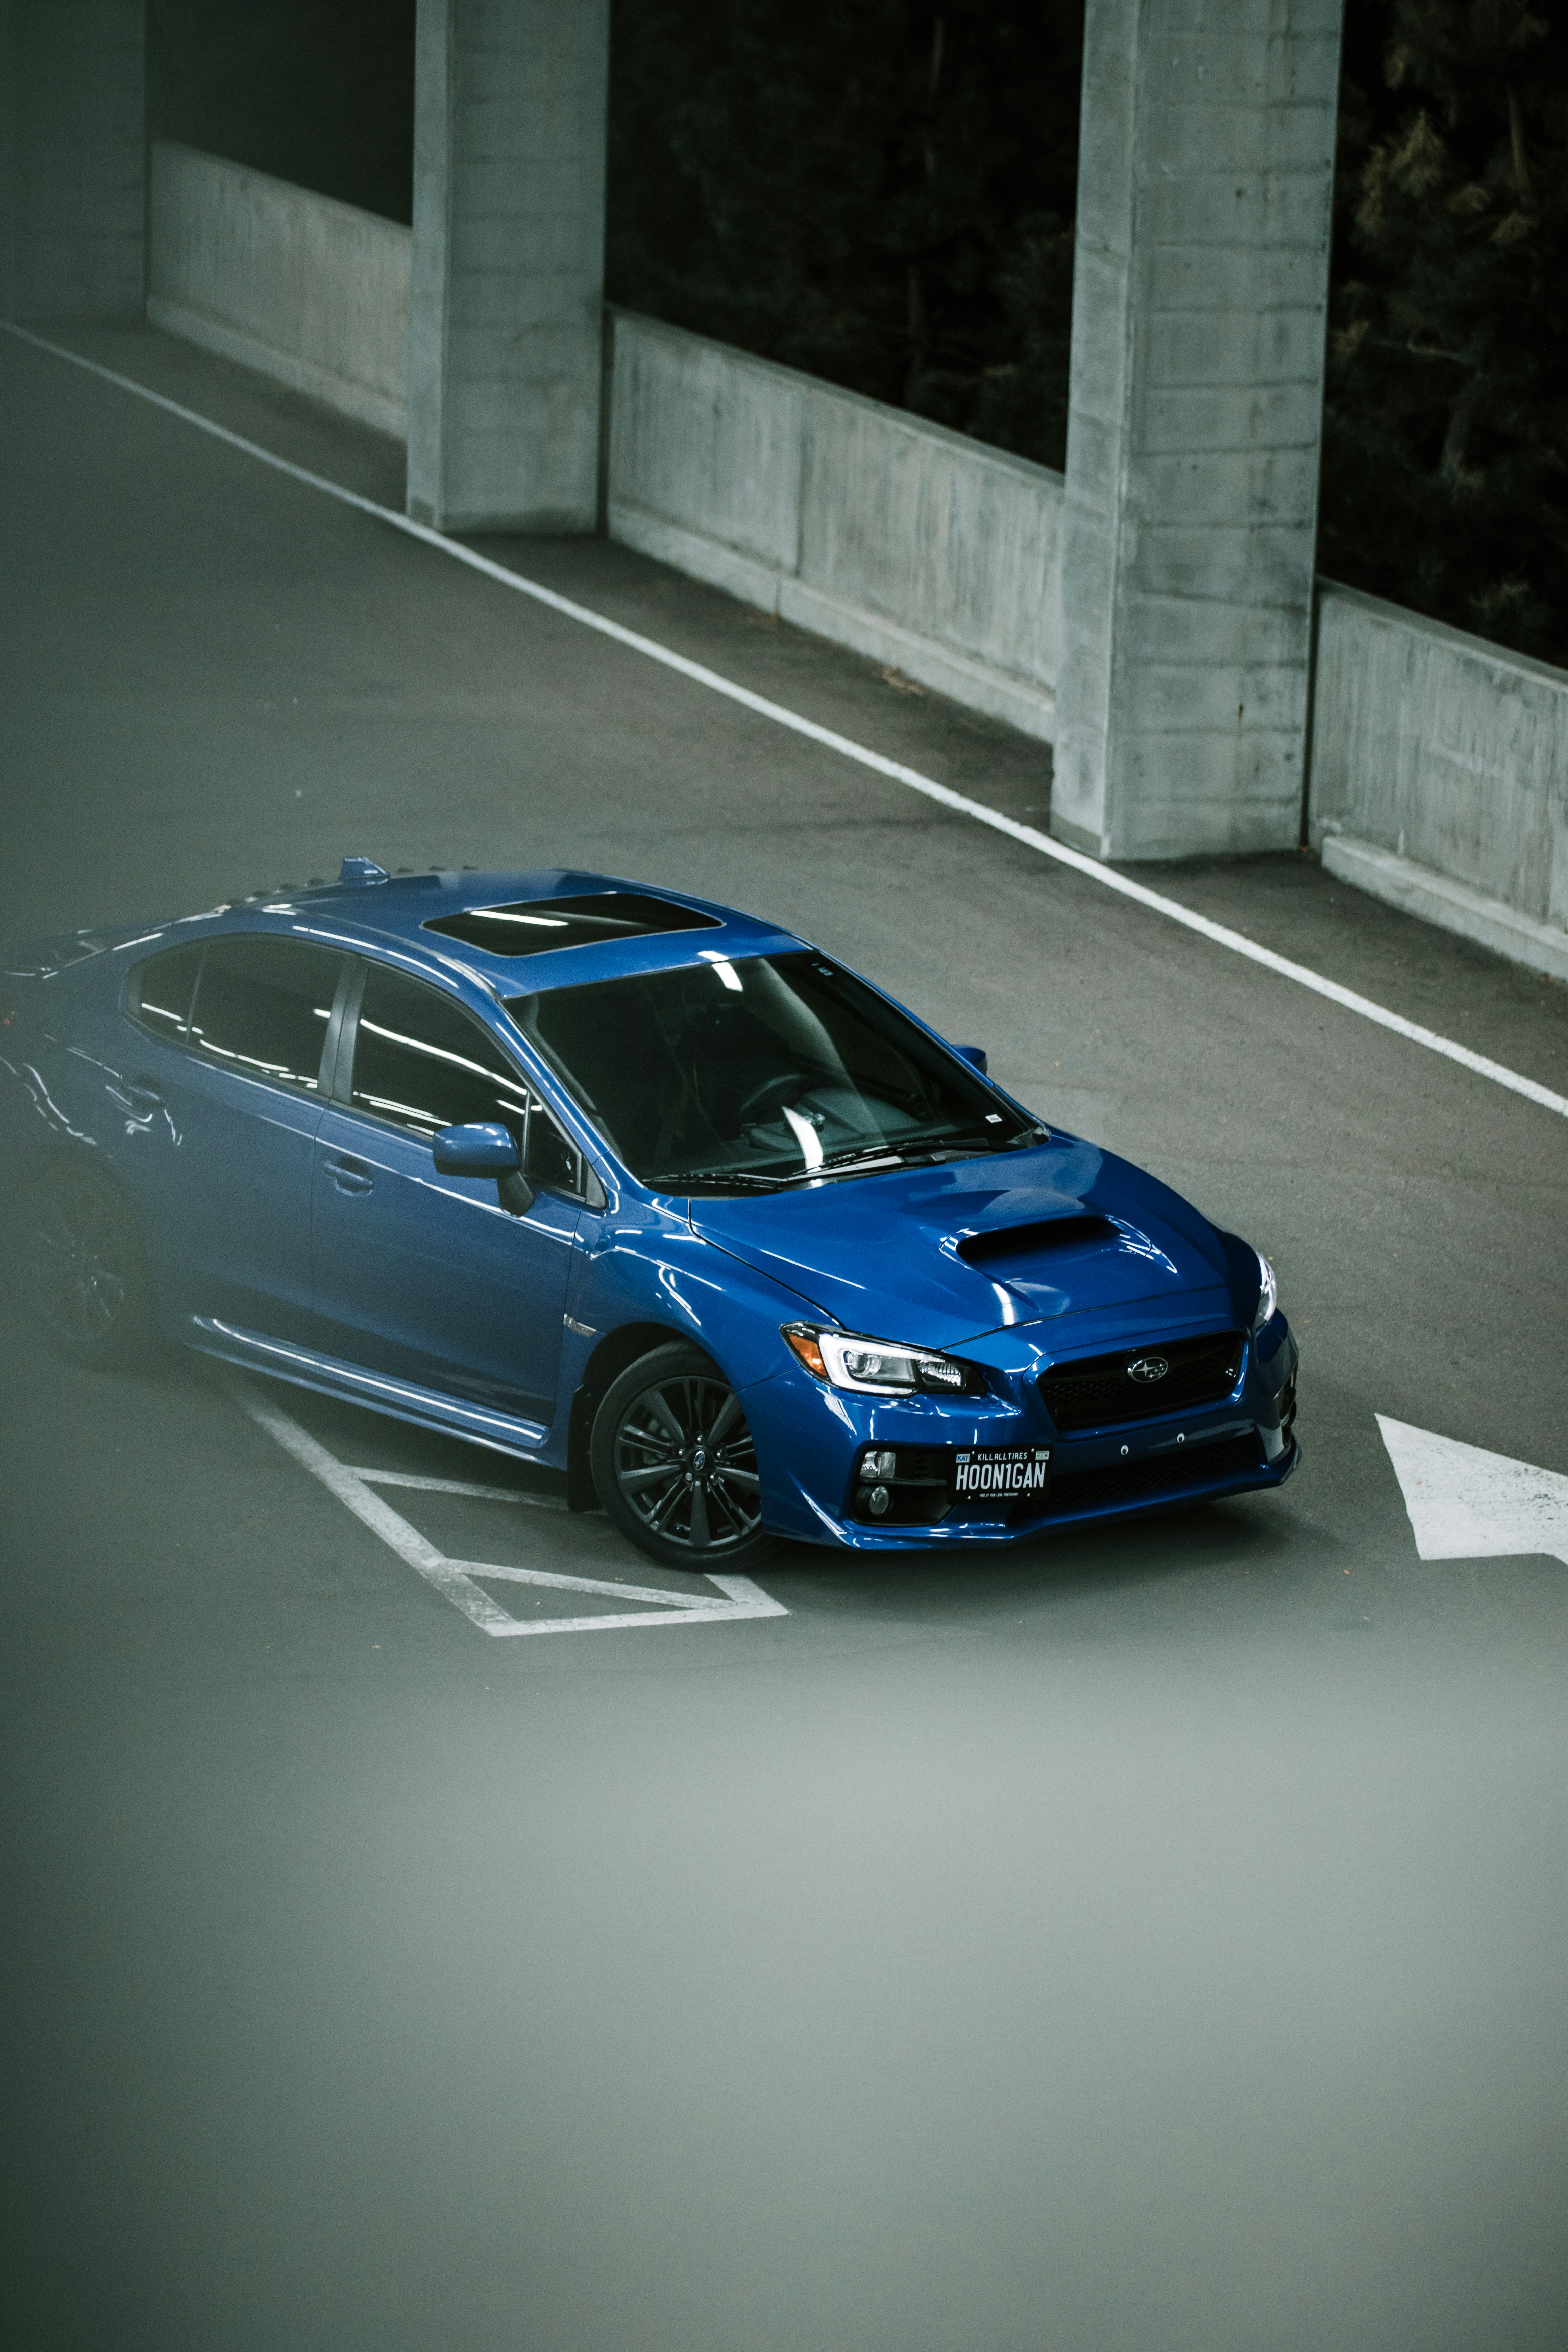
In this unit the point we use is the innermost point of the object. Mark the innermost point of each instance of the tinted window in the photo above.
(760, 1072)
(423, 1061)
(161, 988)
(263, 1005)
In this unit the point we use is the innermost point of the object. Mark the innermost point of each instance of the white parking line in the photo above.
(1218, 933)
(458, 1487)
(454, 1580)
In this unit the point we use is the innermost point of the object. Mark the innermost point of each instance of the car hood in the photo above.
(938, 1255)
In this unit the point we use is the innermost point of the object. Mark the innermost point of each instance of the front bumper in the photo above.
(811, 1443)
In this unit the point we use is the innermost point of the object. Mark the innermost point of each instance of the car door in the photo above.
(432, 1279)
(223, 1085)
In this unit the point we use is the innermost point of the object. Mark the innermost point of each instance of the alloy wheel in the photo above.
(686, 1466)
(80, 1264)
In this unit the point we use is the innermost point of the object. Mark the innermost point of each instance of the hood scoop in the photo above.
(1012, 1246)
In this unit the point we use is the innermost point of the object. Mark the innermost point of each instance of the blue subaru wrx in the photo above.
(632, 1186)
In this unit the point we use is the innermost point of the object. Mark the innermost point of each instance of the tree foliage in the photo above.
(879, 192)
(320, 92)
(1445, 426)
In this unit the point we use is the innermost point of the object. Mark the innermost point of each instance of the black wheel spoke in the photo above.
(659, 1408)
(684, 1463)
(729, 1414)
(631, 1482)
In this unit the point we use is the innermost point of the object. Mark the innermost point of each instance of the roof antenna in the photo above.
(362, 869)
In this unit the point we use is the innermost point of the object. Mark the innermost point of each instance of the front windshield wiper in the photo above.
(683, 1178)
(967, 1144)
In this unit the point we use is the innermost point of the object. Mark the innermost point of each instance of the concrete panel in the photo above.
(505, 352)
(1206, 162)
(707, 438)
(1443, 750)
(1417, 890)
(953, 542)
(911, 544)
(306, 290)
(73, 158)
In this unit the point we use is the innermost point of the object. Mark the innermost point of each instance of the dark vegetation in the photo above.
(880, 192)
(1445, 441)
(317, 91)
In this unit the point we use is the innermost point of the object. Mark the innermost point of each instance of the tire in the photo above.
(674, 1465)
(83, 1270)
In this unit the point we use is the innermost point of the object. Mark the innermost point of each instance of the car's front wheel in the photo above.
(82, 1265)
(674, 1465)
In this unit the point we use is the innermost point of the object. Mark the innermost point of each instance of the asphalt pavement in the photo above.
(1149, 1940)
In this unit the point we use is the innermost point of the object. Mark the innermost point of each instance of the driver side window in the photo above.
(425, 1063)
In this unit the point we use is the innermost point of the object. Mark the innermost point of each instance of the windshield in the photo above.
(734, 1076)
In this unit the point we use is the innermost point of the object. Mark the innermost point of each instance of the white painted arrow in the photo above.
(1466, 1504)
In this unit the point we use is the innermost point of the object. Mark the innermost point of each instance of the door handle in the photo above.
(137, 1095)
(350, 1177)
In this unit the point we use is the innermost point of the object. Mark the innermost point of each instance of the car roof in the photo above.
(398, 912)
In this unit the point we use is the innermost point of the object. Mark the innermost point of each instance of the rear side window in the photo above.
(160, 990)
(263, 1005)
(422, 1061)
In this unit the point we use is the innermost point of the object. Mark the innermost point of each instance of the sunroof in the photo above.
(537, 926)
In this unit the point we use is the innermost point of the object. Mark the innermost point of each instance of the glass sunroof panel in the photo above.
(539, 926)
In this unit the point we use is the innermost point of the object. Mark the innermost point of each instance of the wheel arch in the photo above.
(610, 1359)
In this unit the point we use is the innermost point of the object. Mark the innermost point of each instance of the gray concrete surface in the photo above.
(915, 546)
(1151, 1937)
(504, 353)
(1205, 174)
(297, 285)
(73, 158)
(1449, 752)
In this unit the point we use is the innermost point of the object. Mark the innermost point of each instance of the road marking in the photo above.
(1466, 1504)
(459, 1487)
(454, 1579)
(1090, 868)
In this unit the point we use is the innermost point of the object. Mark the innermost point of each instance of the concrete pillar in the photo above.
(504, 343)
(73, 149)
(1204, 186)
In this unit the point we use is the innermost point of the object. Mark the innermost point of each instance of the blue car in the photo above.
(632, 1186)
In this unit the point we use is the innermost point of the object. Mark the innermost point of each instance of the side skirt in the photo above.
(426, 1408)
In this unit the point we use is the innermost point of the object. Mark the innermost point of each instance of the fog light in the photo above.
(877, 1501)
(880, 1464)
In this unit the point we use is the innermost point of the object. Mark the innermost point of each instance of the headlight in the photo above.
(1268, 1297)
(872, 1368)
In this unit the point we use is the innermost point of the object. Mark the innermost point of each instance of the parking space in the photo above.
(1158, 1928)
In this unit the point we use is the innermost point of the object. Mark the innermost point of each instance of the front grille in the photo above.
(1131, 1482)
(1098, 1390)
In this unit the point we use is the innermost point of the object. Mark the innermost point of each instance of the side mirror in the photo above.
(487, 1149)
(974, 1054)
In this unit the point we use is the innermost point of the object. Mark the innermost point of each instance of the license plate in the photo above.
(1001, 1474)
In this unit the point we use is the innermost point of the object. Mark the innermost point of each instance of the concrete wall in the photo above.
(72, 156)
(307, 290)
(910, 543)
(1446, 756)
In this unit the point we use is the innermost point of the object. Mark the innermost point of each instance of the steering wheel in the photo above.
(772, 1094)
